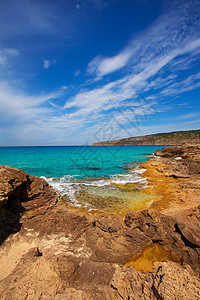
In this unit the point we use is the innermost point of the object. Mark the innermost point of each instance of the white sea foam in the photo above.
(63, 185)
(132, 177)
(68, 185)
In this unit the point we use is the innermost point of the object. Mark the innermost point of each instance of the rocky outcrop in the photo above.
(188, 224)
(174, 178)
(19, 193)
(179, 235)
(190, 152)
(53, 252)
(168, 281)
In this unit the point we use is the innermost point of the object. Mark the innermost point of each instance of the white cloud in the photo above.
(193, 122)
(11, 51)
(142, 64)
(17, 107)
(7, 53)
(77, 72)
(114, 93)
(48, 63)
(78, 6)
(168, 34)
(177, 88)
(64, 87)
(103, 66)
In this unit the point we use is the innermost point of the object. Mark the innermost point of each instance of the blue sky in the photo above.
(76, 72)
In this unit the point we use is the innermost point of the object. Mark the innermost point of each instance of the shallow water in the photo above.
(92, 177)
(149, 256)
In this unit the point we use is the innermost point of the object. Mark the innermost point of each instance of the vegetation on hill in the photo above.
(169, 138)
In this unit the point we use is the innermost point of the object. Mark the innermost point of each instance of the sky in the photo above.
(81, 71)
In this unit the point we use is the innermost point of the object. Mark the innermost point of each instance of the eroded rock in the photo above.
(111, 241)
(168, 281)
(19, 193)
(191, 152)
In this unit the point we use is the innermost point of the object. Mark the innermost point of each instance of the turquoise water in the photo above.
(79, 162)
(88, 177)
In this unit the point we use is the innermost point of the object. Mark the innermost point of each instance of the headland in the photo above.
(168, 138)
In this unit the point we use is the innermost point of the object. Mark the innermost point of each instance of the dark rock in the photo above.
(188, 225)
(158, 227)
(19, 193)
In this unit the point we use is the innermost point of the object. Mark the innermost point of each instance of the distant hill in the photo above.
(169, 138)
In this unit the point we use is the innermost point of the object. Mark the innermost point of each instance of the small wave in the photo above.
(131, 177)
(68, 185)
(64, 185)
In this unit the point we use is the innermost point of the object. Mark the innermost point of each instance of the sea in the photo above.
(91, 177)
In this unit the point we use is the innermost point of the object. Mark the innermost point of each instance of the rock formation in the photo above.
(49, 251)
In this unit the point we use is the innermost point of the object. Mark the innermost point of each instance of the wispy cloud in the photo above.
(78, 6)
(77, 72)
(177, 88)
(48, 63)
(7, 53)
(141, 64)
(102, 66)
(17, 107)
(167, 36)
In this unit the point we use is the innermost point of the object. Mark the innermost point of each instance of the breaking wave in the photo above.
(68, 185)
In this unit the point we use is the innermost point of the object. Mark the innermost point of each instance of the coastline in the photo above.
(173, 176)
(53, 252)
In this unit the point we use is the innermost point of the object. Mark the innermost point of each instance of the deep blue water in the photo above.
(83, 162)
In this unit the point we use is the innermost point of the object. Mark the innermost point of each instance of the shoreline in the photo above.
(49, 251)
(128, 184)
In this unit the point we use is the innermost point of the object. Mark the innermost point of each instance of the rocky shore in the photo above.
(49, 251)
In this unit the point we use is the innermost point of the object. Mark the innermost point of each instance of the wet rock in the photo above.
(179, 238)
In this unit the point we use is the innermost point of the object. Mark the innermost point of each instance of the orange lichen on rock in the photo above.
(175, 182)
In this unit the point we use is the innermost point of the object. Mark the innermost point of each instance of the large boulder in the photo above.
(19, 193)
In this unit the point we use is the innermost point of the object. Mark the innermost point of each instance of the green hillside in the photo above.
(168, 138)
